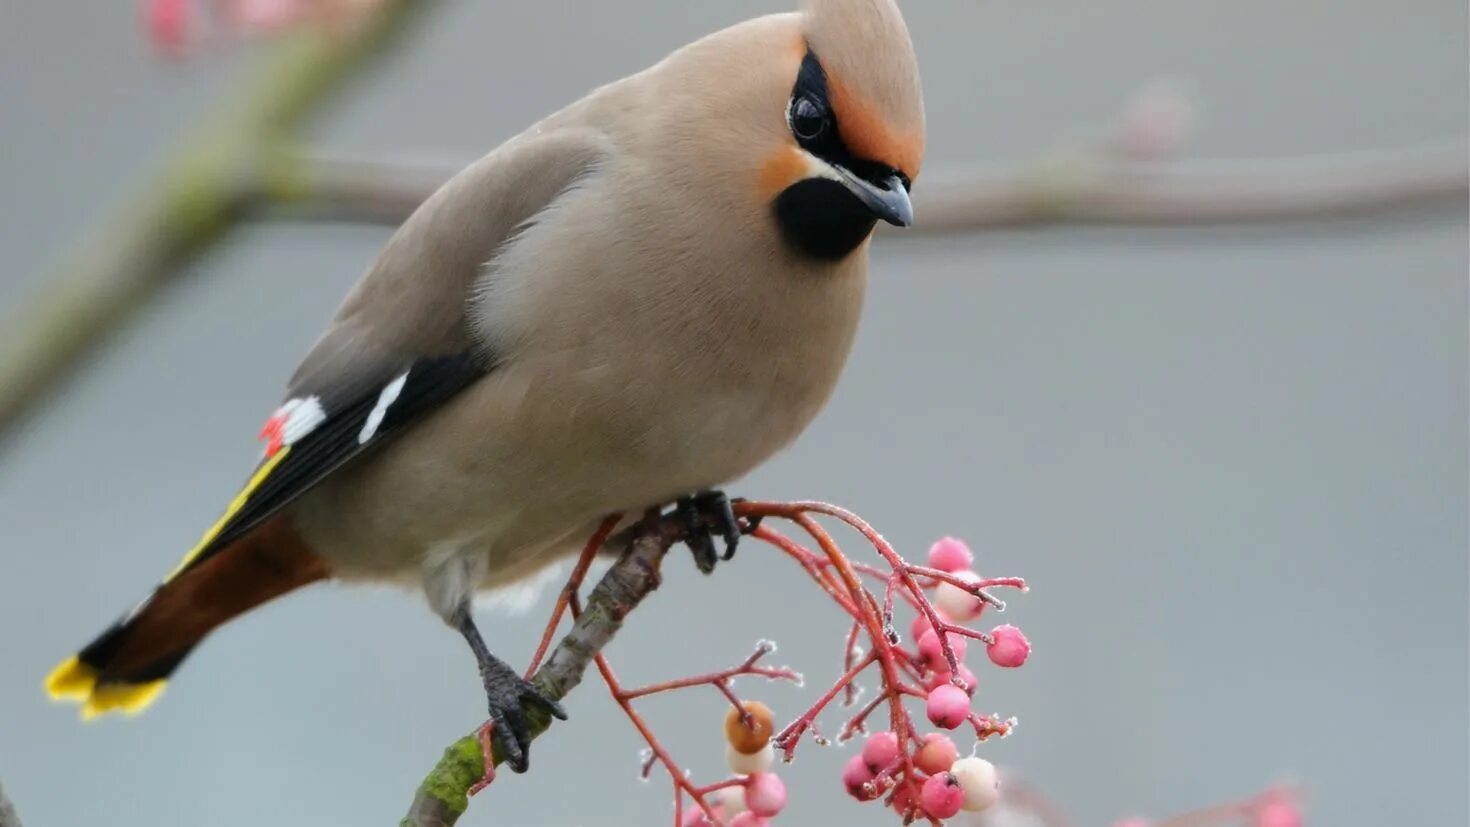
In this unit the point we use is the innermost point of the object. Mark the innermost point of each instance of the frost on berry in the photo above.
(1008, 646)
(857, 778)
(942, 795)
(937, 754)
(947, 706)
(950, 554)
(880, 750)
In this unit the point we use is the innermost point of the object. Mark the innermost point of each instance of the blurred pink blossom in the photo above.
(1277, 809)
(175, 26)
(1156, 122)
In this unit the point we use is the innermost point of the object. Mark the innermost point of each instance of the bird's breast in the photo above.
(678, 338)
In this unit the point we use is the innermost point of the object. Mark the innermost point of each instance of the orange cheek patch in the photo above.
(870, 137)
(781, 169)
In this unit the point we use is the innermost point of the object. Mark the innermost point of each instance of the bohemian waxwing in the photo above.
(637, 300)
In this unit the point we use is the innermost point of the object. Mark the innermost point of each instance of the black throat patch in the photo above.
(820, 217)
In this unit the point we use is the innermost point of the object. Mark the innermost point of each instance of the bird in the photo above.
(631, 304)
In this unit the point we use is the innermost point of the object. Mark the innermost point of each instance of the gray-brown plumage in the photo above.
(641, 297)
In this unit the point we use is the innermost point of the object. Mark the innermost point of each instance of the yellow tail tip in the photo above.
(73, 680)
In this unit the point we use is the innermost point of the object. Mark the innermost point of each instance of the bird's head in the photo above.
(852, 133)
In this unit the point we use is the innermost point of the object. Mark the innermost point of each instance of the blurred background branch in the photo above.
(1068, 188)
(244, 163)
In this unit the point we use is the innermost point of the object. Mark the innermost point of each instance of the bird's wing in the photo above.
(402, 343)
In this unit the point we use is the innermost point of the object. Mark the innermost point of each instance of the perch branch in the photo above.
(443, 796)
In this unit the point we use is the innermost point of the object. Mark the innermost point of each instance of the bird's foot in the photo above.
(510, 697)
(705, 515)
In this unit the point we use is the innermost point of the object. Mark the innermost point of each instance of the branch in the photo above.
(8, 817)
(1088, 189)
(443, 796)
(1079, 188)
(243, 167)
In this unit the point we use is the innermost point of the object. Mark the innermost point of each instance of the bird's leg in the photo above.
(703, 515)
(507, 693)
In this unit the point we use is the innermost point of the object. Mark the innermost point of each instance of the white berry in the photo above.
(978, 779)
(742, 764)
(955, 603)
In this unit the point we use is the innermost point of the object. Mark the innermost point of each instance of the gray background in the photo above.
(1231, 461)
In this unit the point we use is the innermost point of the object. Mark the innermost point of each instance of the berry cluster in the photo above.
(926, 777)
(920, 775)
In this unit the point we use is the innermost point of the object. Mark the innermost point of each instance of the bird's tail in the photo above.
(127, 666)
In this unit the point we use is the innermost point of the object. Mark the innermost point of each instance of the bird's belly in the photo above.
(522, 463)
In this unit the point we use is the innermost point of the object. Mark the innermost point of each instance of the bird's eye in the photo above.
(808, 119)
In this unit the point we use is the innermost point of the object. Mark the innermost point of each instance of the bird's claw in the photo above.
(508, 696)
(703, 516)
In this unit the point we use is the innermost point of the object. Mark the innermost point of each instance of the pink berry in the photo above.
(941, 796)
(936, 754)
(933, 653)
(947, 706)
(902, 797)
(920, 626)
(1010, 648)
(855, 777)
(956, 603)
(765, 794)
(748, 819)
(950, 554)
(880, 750)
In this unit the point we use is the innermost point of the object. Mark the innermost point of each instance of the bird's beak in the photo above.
(888, 200)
